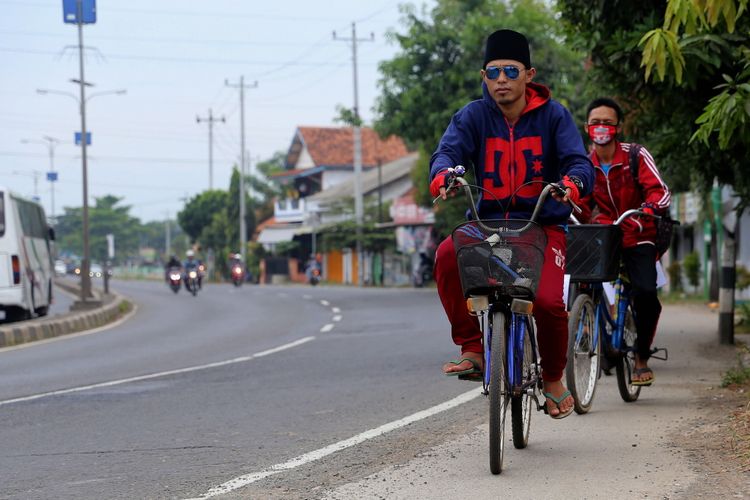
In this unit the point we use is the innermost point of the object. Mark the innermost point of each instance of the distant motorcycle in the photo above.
(191, 281)
(175, 278)
(314, 276)
(237, 275)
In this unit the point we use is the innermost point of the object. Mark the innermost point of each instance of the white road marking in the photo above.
(335, 310)
(312, 456)
(160, 374)
(337, 317)
(327, 328)
(325, 303)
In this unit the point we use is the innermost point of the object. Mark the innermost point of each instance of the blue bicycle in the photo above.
(500, 263)
(596, 331)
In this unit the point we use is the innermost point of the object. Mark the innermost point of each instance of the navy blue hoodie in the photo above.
(544, 144)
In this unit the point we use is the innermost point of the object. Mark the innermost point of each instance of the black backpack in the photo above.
(665, 225)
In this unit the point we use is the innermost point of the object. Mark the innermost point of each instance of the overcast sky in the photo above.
(172, 57)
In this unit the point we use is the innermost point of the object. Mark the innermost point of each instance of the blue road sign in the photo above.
(78, 138)
(52, 176)
(88, 11)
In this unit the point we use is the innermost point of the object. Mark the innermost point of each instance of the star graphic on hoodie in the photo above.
(537, 166)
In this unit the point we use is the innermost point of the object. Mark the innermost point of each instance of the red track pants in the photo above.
(549, 309)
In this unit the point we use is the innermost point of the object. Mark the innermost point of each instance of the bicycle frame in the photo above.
(604, 318)
(515, 335)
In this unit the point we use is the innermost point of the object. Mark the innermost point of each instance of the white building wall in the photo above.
(334, 177)
(305, 160)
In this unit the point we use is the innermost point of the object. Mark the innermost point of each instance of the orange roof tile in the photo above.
(333, 146)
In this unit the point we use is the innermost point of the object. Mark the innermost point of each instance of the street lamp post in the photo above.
(85, 261)
(51, 143)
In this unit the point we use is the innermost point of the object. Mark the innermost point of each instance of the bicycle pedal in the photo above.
(662, 357)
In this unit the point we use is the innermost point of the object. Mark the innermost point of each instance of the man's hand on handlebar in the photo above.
(443, 185)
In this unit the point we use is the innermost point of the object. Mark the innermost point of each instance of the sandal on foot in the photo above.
(475, 368)
(472, 377)
(643, 383)
(557, 402)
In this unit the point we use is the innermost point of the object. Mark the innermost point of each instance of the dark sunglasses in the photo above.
(493, 72)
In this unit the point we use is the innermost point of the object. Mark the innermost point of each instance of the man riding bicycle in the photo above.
(516, 134)
(616, 190)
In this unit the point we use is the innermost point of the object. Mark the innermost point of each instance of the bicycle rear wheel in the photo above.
(498, 393)
(626, 362)
(584, 354)
(521, 405)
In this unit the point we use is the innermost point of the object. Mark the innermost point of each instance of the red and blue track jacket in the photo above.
(543, 145)
(617, 191)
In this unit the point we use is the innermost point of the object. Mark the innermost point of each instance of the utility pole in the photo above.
(210, 121)
(168, 238)
(51, 143)
(86, 261)
(243, 227)
(35, 174)
(358, 203)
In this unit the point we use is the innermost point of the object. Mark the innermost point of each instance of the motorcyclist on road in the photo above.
(235, 259)
(172, 263)
(313, 264)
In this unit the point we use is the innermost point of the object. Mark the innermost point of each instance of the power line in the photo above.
(131, 57)
(113, 158)
(201, 14)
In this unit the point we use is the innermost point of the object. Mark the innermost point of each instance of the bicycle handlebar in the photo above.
(457, 173)
(620, 219)
(633, 211)
(457, 178)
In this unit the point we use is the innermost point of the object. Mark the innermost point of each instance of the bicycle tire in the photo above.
(498, 393)
(582, 369)
(521, 405)
(626, 361)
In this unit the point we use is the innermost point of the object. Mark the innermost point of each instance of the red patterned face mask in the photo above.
(602, 134)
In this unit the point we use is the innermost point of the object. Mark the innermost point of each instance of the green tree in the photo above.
(692, 265)
(437, 71)
(199, 212)
(346, 116)
(265, 192)
(679, 68)
(106, 216)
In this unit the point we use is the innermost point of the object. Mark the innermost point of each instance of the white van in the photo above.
(26, 248)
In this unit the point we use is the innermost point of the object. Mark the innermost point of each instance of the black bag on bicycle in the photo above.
(665, 225)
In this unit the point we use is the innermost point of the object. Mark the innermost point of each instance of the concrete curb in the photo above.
(114, 306)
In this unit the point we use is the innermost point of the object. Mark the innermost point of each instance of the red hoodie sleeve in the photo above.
(587, 205)
(655, 191)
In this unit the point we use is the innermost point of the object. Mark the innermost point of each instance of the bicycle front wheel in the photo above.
(498, 393)
(626, 362)
(584, 354)
(521, 404)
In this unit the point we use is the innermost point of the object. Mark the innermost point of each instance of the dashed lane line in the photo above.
(327, 328)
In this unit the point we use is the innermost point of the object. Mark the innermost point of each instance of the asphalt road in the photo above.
(301, 392)
(178, 435)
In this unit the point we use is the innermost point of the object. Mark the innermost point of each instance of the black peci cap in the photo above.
(507, 44)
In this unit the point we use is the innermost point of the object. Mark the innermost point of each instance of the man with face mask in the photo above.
(615, 191)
